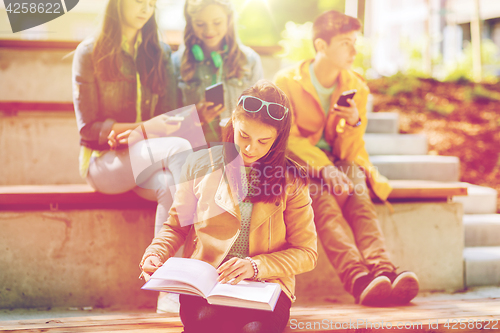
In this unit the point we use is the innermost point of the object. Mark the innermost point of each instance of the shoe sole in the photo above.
(404, 288)
(377, 292)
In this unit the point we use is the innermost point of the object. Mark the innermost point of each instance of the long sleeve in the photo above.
(91, 125)
(300, 254)
(169, 100)
(350, 145)
(175, 230)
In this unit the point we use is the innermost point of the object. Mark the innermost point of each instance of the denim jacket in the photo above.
(99, 104)
(193, 90)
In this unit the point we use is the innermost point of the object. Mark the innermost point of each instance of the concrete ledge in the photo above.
(383, 122)
(482, 266)
(90, 257)
(74, 258)
(420, 167)
(39, 148)
(482, 230)
(480, 200)
(395, 144)
(424, 237)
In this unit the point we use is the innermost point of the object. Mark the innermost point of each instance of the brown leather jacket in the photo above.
(206, 217)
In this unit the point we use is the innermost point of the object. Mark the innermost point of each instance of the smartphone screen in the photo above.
(342, 101)
(215, 94)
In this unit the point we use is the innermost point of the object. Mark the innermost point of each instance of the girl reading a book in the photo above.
(244, 208)
(212, 54)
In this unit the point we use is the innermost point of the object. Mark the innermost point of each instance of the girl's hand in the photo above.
(151, 264)
(112, 140)
(124, 138)
(129, 137)
(161, 125)
(349, 113)
(208, 112)
(235, 268)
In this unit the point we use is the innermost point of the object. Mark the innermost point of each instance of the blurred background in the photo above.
(434, 62)
(437, 38)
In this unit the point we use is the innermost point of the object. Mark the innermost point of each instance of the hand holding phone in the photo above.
(214, 105)
(342, 102)
(215, 94)
(349, 94)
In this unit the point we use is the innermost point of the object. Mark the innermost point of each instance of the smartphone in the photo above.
(215, 94)
(349, 94)
(174, 119)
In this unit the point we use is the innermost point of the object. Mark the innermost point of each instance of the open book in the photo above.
(196, 277)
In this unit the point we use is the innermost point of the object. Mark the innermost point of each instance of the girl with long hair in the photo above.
(244, 208)
(123, 79)
(213, 54)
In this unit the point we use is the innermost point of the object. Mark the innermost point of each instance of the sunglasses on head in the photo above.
(255, 104)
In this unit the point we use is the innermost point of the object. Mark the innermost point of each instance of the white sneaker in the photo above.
(168, 303)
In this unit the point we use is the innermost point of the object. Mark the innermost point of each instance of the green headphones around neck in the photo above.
(200, 56)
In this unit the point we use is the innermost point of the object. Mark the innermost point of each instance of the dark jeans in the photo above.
(200, 317)
(350, 232)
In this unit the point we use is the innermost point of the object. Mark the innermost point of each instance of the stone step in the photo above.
(482, 266)
(480, 200)
(418, 167)
(482, 229)
(395, 144)
(383, 122)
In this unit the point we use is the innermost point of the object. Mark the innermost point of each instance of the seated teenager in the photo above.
(328, 139)
(121, 79)
(212, 54)
(252, 215)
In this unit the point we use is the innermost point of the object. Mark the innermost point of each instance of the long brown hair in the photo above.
(234, 61)
(107, 53)
(276, 161)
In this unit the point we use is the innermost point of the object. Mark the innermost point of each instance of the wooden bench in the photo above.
(420, 316)
(66, 196)
(16, 106)
(83, 194)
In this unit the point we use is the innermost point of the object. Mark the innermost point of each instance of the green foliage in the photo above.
(461, 69)
(297, 44)
(444, 110)
(260, 22)
(324, 5)
(480, 93)
(363, 60)
(256, 25)
(400, 84)
(415, 60)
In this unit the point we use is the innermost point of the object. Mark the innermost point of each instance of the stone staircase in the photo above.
(404, 156)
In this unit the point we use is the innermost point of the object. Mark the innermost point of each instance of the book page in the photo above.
(172, 287)
(254, 294)
(199, 274)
